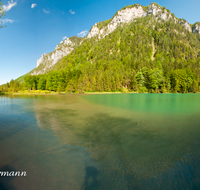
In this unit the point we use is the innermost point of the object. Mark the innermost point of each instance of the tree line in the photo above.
(110, 79)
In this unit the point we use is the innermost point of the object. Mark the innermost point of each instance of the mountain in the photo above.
(101, 29)
(140, 48)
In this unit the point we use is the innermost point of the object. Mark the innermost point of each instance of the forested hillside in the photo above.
(147, 55)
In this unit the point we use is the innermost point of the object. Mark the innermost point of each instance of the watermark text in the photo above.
(12, 174)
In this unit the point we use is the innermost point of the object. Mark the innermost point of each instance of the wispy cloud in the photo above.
(33, 5)
(83, 33)
(72, 12)
(7, 20)
(45, 11)
(10, 5)
(65, 37)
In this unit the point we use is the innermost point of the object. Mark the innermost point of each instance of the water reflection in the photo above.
(93, 146)
(91, 181)
(129, 148)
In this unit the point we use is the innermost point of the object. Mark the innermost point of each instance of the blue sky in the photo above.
(35, 27)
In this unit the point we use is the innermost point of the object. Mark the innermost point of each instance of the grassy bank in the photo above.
(34, 92)
(46, 92)
(109, 92)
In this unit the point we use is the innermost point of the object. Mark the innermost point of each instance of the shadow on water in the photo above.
(91, 181)
(128, 145)
(5, 181)
(12, 132)
(121, 140)
(55, 117)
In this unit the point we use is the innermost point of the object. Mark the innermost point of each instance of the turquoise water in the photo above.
(155, 103)
(113, 141)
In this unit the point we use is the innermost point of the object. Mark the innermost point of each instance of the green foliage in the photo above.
(21, 78)
(2, 13)
(76, 39)
(13, 86)
(131, 6)
(103, 24)
(183, 81)
(41, 82)
(151, 79)
(124, 90)
(30, 82)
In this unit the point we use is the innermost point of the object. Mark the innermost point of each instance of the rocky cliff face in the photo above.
(186, 25)
(41, 59)
(65, 47)
(123, 16)
(48, 60)
(130, 14)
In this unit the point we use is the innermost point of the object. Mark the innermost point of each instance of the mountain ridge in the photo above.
(131, 12)
(101, 29)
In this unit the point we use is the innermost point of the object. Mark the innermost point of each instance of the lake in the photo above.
(104, 142)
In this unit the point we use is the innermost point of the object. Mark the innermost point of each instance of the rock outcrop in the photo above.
(130, 14)
(186, 25)
(196, 28)
(93, 32)
(64, 48)
(123, 16)
(48, 60)
(41, 59)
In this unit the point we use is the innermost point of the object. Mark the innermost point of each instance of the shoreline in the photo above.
(38, 92)
(62, 93)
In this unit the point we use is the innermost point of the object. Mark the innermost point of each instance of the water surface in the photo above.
(113, 141)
